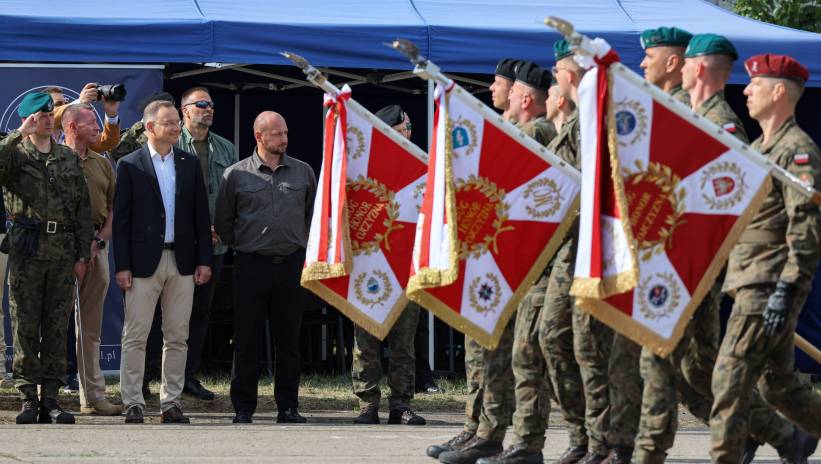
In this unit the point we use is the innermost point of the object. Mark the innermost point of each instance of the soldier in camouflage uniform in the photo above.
(366, 370)
(769, 272)
(46, 194)
(133, 138)
(490, 400)
(689, 368)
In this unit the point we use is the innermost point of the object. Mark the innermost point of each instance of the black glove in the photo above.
(779, 305)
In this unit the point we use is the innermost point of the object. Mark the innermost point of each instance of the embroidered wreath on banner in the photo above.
(669, 191)
(359, 145)
(667, 296)
(490, 292)
(545, 193)
(457, 136)
(384, 195)
(495, 204)
(631, 118)
(737, 186)
(376, 290)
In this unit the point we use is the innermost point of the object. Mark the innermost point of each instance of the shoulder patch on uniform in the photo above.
(729, 127)
(801, 158)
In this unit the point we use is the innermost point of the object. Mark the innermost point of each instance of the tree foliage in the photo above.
(798, 14)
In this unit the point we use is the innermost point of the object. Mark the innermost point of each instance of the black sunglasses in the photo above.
(202, 104)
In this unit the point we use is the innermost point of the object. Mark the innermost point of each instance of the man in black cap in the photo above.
(366, 370)
(502, 83)
(47, 196)
(527, 100)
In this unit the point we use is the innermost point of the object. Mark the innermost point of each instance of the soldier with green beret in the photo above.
(688, 370)
(769, 273)
(663, 59)
(47, 196)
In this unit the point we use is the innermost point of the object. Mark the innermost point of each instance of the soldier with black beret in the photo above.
(528, 97)
(47, 197)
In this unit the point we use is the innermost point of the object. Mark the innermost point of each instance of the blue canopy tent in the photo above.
(462, 36)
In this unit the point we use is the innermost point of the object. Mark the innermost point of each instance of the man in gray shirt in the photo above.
(263, 211)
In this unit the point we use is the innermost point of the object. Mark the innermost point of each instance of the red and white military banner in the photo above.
(496, 207)
(690, 190)
(384, 177)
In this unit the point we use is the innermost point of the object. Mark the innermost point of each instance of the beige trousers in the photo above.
(89, 326)
(175, 293)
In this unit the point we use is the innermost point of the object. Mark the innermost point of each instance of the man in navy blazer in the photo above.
(162, 249)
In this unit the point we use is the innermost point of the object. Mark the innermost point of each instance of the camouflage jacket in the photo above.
(680, 94)
(60, 198)
(130, 141)
(784, 212)
(566, 144)
(540, 129)
(717, 110)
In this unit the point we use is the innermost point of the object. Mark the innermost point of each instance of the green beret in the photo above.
(34, 102)
(561, 49)
(710, 44)
(665, 37)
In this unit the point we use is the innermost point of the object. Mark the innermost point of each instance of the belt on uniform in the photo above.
(168, 246)
(54, 227)
(763, 236)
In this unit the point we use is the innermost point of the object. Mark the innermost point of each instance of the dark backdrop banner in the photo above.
(140, 81)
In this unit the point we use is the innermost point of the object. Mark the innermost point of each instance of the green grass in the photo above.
(316, 392)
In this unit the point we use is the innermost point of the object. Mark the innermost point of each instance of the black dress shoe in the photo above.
(473, 450)
(242, 417)
(174, 416)
(369, 415)
(50, 412)
(194, 388)
(290, 416)
(29, 412)
(134, 415)
(405, 416)
(516, 454)
(453, 444)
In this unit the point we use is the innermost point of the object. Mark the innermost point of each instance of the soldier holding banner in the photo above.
(490, 401)
(769, 273)
(708, 60)
(367, 364)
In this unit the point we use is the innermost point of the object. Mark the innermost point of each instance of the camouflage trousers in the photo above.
(748, 356)
(556, 338)
(40, 303)
(625, 392)
(592, 341)
(688, 370)
(493, 399)
(532, 386)
(366, 370)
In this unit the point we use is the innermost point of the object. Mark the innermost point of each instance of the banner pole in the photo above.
(804, 345)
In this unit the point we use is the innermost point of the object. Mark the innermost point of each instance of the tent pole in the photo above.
(431, 348)
(236, 120)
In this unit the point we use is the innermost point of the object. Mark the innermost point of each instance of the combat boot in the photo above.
(476, 448)
(454, 443)
(800, 447)
(51, 411)
(369, 415)
(405, 416)
(28, 414)
(592, 458)
(619, 455)
(572, 455)
(516, 454)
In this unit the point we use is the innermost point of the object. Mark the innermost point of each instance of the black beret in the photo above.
(507, 68)
(391, 115)
(158, 96)
(532, 75)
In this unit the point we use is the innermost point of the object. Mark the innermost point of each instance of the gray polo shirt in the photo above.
(265, 211)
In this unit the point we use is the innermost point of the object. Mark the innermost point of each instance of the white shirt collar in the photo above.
(155, 154)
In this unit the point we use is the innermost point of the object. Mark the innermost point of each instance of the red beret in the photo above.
(782, 66)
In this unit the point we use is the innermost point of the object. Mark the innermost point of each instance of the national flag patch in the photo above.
(801, 158)
(730, 127)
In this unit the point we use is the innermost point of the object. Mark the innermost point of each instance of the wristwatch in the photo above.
(100, 242)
